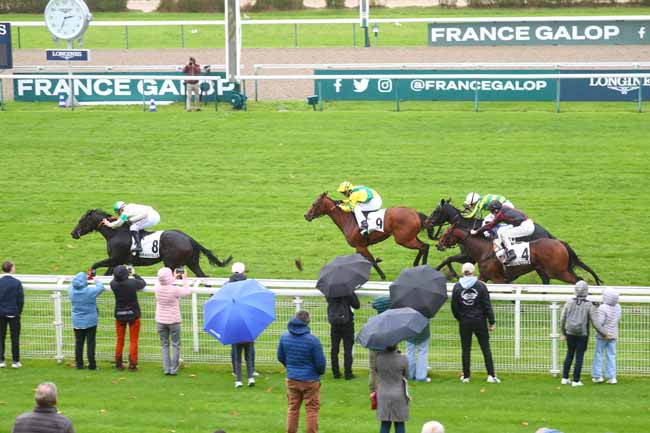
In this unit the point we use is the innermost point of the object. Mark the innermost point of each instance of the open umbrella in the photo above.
(391, 327)
(239, 312)
(343, 274)
(422, 288)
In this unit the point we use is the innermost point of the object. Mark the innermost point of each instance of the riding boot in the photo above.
(138, 242)
(363, 228)
(510, 256)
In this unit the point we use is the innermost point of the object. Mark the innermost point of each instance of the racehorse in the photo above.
(400, 222)
(552, 258)
(176, 248)
(446, 213)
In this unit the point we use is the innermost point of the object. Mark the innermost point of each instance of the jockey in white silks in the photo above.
(140, 216)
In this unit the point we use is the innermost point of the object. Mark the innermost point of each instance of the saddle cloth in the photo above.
(376, 220)
(150, 245)
(521, 249)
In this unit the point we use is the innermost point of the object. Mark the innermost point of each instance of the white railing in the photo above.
(527, 337)
(109, 68)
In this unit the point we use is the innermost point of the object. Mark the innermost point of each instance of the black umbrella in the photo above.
(343, 274)
(391, 327)
(422, 288)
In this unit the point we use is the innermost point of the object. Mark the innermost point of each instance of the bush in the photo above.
(38, 6)
(283, 5)
(191, 6)
(335, 4)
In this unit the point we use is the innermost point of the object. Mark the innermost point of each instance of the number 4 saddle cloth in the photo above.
(521, 249)
(150, 245)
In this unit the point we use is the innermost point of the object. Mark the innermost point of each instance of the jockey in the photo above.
(519, 225)
(140, 217)
(360, 199)
(475, 204)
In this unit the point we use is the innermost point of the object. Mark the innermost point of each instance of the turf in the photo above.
(202, 398)
(335, 35)
(240, 182)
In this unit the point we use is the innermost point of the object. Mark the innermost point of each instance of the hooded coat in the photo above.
(609, 313)
(125, 289)
(301, 353)
(84, 301)
(579, 309)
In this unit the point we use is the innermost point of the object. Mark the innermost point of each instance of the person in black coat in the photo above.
(12, 300)
(127, 313)
(341, 319)
(471, 306)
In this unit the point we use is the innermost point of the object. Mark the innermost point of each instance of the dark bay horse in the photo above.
(176, 248)
(552, 258)
(402, 223)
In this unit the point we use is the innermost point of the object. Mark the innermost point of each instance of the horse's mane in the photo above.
(98, 211)
(462, 222)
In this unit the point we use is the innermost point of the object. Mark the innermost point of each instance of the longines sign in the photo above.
(540, 33)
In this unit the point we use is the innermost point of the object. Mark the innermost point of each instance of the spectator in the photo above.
(127, 313)
(574, 325)
(391, 386)
(380, 304)
(192, 86)
(84, 317)
(471, 306)
(168, 317)
(302, 355)
(609, 315)
(432, 427)
(44, 418)
(341, 319)
(12, 299)
(420, 344)
(246, 347)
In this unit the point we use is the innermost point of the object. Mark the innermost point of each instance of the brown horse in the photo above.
(401, 222)
(552, 258)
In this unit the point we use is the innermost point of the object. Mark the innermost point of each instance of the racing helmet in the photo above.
(471, 199)
(494, 205)
(118, 205)
(344, 187)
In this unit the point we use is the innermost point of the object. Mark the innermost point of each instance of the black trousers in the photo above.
(248, 350)
(576, 346)
(14, 330)
(468, 328)
(345, 333)
(80, 336)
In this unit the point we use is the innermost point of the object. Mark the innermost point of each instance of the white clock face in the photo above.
(66, 19)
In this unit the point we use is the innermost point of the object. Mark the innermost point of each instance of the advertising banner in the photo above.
(67, 55)
(540, 33)
(605, 88)
(6, 61)
(115, 89)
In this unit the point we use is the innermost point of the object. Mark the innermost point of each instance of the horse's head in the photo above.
(448, 239)
(88, 222)
(321, 206)
(437, 217)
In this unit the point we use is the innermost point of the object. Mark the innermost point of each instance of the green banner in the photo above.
(594, 32)
(119, 90)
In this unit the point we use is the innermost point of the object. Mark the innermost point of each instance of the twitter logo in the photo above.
(360, 86)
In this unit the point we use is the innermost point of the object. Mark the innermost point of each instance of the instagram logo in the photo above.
(385, 85)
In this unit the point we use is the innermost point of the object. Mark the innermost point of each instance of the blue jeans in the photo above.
(385, 427)
(609, 347)
(418, 369)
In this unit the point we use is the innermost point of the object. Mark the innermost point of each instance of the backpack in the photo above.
(338, 311)
(577, 319)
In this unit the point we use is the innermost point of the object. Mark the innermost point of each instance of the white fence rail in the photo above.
(526, 338)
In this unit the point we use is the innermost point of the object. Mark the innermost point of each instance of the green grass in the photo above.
(240, 182)
(202, 398)
(281, 35)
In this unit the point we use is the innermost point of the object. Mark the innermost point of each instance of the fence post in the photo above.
(195, 319)
(397, 94)
(2, 96)
(295, 35)
(126, 36)
(255, 73)
(354, 35)
(320, 94)
(19, 37)
(297, 301)
(641, 97)
(58, 320)
(555, 370)
(558, 89)
(182, 37)
(517, 324)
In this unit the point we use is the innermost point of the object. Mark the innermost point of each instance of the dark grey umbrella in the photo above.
(391, 327)
(343, 274)
(422, 288)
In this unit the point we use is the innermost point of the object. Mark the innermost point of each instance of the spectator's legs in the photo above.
(294, 401)
(134, 333)
(312, 405)
(483, 337)
(385, 427)
(3, 335)
(410, 356)
(253, 356)
(120, 328)
(399, 427)
(238, 350)
(610, 362)
(581, 348)
(14, 330)
(570, 353)
(175, 334)
(232, 359)
(466, 343)
(422, 362)
(248, 350)
(79, 337)
(188, 97)
(336, 335)
(91, 335)
(597, 364)
(197, 96)
(163, 332)
(348, 345)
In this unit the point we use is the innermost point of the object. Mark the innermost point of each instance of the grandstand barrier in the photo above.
(526, 339)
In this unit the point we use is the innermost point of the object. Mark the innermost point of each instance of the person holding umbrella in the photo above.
(391, 386)
(471, 306)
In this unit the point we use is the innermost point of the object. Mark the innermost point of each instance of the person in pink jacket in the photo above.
(168, 317)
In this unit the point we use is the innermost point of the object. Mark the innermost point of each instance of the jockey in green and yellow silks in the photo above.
(360, 200)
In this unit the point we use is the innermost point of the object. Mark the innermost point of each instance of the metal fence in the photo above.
(527, 337)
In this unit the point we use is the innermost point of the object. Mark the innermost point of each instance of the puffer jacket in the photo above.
(301, 353)
(84, 301)
(125, 289)
(609, 313)
(12, 296)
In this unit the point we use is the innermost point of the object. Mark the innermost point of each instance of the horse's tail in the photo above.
(214, 260)
(575, 261)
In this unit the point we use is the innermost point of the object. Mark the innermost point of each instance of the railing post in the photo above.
(58, 320)
(182, 36)
(320, 94)
(2, 96)
(195, 318)
(126, 36)
(640, 95)
(397, 94)
(354, 35)
(295, 35)
(19, 37)
(255, 73)
(517, 323)
(555, 369)
(558, 90)
(298, 302)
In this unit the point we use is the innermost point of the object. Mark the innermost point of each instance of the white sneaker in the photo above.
(612, 381)
(464, 379)
(238, 384)
(251, 381)
(575, 384)
(16, 365)
(3, 364)
(565, 381)
(493, 379)
(597, 379)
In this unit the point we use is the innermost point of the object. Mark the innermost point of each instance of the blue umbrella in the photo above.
(239, 312)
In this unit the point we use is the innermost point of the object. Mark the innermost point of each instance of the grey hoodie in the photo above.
(609, 313)
(580, 307)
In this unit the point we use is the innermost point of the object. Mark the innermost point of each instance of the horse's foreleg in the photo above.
(375, 263)
(425, 254)
(109, 263)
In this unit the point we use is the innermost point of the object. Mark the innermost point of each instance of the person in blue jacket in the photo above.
(84, 317)
(302, 355)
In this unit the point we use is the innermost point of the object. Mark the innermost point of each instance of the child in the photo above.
(609, 314)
